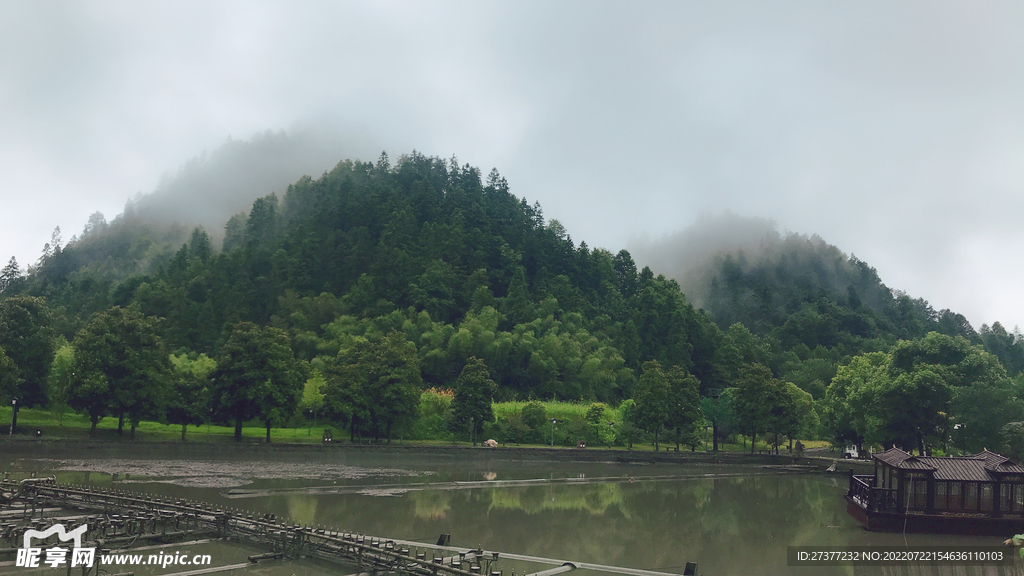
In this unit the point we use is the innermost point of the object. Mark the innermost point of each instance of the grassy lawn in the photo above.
(76, 427)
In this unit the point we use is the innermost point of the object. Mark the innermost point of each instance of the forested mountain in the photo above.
(803, 293)
(376, 281)
(462, 266)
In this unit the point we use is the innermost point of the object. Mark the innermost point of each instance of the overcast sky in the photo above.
(895, 130)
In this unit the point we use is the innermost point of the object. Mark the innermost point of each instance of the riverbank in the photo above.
(41, 447)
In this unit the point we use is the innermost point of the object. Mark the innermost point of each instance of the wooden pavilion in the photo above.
(978, 494)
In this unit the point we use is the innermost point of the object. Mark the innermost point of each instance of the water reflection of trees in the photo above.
(430, 504)
(723, 523)
(302, 509)
(734, 525)
(722, 520)
(592, 498)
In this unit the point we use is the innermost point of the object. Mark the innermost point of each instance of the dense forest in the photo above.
(377, 283)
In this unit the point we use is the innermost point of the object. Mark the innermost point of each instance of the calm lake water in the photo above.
(729, 519)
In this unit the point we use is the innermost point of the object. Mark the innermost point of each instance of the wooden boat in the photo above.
(978, 494)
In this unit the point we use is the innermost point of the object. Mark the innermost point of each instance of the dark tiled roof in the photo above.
(918, 463)
(999, 464)
(893, 456)
(990, 457)
(984, 466)
(958, 468)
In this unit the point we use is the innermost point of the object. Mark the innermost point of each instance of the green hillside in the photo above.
(463, 266)
(412, 273)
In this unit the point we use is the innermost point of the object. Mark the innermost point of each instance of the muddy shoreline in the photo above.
(93, 449)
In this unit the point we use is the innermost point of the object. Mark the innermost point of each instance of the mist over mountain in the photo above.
(683, 254)
(466, 269)
(739, 269)
(459, 264)
(212, 187)
(797, 288)
(722, 252)
(890, 129)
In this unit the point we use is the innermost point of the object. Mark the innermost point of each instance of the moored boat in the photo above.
(977, 494)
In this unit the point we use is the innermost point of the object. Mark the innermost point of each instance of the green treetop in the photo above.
(28, 339)
(652, 395)
(120, 368)
(375, 383)
(474, 391)
(257, 376)
(189, 399)
(684, 409)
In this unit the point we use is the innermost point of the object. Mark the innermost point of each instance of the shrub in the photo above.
(599, 430)
(434, 415)
(513, 430)
(534, 417)
(627, 434)
(436, 401)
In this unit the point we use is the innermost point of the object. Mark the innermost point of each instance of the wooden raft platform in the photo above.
(116, 518)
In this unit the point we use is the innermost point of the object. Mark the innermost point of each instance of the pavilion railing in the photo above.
(864, 492)
(883, 499)
(860, 489)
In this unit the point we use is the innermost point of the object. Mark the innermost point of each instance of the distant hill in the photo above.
(802, 291)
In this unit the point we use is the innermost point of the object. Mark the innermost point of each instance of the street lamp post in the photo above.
(552, 432)
(14, 415)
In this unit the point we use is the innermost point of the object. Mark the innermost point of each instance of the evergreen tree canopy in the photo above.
(474, 391)
(120, 367)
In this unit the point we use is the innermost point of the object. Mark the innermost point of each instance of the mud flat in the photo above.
(101, 449)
